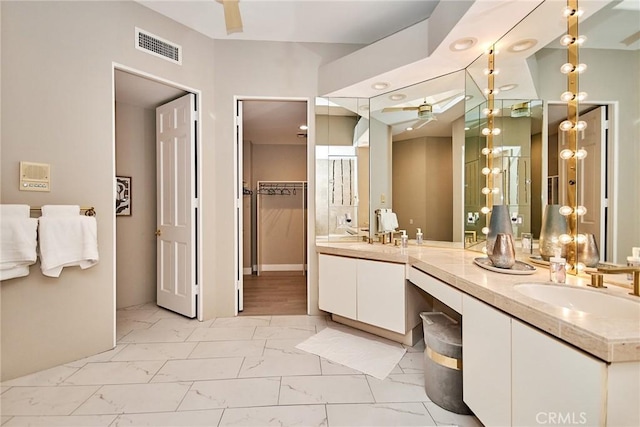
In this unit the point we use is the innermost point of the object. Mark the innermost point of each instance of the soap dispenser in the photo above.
(419, 237)
(404, 239)
(557, 268)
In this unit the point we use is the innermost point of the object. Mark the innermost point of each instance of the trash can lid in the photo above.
(442, 333)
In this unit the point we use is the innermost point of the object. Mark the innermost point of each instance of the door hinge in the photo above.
(195, 203)
(606, 203)
(196, 289)
(606, 124)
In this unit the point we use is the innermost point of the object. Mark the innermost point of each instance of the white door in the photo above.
(239, 217)
(176, 241)
(591, 177)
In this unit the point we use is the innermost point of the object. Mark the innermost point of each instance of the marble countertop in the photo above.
(609, 339)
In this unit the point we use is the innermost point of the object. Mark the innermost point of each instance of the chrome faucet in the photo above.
(597, 279)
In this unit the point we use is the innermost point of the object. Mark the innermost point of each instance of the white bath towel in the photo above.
(60, 210)
(67, 240)
(18, 242)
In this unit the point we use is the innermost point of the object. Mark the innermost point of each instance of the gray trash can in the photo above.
(443, 361)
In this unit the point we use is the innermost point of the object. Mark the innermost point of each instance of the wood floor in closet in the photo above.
(274, 293)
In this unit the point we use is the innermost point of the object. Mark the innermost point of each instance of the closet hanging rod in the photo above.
(88, 210)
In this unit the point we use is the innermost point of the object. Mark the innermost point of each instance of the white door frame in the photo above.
(198, 176)
(611, 177)
(238, 173)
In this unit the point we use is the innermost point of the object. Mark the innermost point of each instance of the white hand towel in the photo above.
(67, 241)
(388, 222)
(18, 242)
(60, 210)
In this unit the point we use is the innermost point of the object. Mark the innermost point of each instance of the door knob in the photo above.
(158, 232)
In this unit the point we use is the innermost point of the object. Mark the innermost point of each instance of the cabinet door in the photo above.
(337, 285)
(486, 362)
(381, 295)
(554, 383)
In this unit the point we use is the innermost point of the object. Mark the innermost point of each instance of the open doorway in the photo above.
(136, 97)
(273, 168)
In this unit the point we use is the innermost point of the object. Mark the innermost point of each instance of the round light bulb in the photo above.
(485, 210)
(582, 96)
(564, 239)
(495, 111)
(581, 39)
(566, 154)
(566, 210)
(496, 171)
(581, 68)
(567, 96)
(484, 249)
(567, 68)
(486, 111)
(486, 190)
(566, 125)
(580, 154)
(581, 238)
(496, 190)
(485, 230)
(566, 40)
(486, 131)
(581, 210)
(486, 171)
(486, 151)
(496, 131)
(581, 267)
(581, 125)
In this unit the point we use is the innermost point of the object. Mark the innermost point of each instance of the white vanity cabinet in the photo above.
(486, 362)
(514, 374)
(553, 383)
(337, 285)
(372, 292)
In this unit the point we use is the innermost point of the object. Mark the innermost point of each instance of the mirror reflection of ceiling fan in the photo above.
(232, 18)
(426, 112)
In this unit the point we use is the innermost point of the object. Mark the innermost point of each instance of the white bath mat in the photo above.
(364, 352)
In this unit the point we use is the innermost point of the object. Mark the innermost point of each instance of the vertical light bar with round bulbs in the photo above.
(571, 128)
(489, 132)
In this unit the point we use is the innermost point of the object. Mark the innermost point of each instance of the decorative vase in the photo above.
(504, 252)
(553, 225)
(500, 223)
(588, 253)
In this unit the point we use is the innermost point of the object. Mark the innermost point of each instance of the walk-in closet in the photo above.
(274, 163)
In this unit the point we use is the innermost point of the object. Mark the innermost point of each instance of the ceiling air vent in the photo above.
(156, 46)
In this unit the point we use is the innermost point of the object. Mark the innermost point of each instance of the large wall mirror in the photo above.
(342, 169)
(413, 136)
(529, 59)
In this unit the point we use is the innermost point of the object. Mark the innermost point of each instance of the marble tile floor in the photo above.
(167, 370)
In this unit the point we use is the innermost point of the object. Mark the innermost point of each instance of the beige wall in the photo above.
(57, 108)
(423, 187)
(135, 237)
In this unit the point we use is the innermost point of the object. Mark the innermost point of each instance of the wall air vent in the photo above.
(156, 46)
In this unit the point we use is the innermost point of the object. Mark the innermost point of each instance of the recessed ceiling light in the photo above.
(397, 96)
(522, 45)
(508, 87)
(409, 128)
(466, 128)
(463, 44)
(380, 85)
(304, 127)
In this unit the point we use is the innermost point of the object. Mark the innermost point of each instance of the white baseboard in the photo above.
(281, 267)
(247, 271)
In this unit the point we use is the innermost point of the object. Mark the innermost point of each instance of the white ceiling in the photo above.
(320, 21)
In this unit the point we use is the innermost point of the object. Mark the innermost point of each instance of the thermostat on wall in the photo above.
(34, 176)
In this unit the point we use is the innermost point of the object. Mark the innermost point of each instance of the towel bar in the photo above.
(88, 210)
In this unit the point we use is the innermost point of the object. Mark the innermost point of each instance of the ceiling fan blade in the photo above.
(421, 123)
(232, 18)
(393, 109)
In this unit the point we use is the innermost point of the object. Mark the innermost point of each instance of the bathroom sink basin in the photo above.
(584, 300)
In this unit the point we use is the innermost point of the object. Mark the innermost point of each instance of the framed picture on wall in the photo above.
(123, 195)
